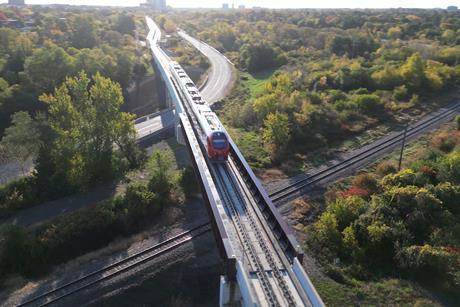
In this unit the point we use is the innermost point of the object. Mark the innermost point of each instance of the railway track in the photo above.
(381, 146)
(116, 268)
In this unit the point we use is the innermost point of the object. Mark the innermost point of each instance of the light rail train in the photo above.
(216, 141)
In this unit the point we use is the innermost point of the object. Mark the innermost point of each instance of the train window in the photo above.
(189, 84)
(196, 98)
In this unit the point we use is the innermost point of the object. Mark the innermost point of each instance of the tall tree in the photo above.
(48, 67)
(413, 72)
(21, 140)
(85, 117)
(125, 24)
(276, 132)
(83, 32)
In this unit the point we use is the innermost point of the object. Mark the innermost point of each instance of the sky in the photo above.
(269, 3)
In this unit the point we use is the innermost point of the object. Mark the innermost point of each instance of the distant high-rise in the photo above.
(225, 6)
(452, 8)
(241, 6)
(16, 2)
(159, 5)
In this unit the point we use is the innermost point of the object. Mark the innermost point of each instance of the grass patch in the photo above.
(251, 145)
(255, 82)
(390, 292)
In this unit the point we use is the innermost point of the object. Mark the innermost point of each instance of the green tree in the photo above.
(257, 57)
(83, 32)
(125, 24)
(86, 121)
(413, 72)
(21, 140)
(276, 131)
(188, 181)
(48, 67)
(160, 182)
(5, 91)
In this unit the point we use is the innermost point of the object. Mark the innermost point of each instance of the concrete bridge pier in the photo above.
(229, 293)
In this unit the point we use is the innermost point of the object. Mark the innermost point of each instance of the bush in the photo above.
(346, 210)
(428, 261)
(367, 182)
(18, 194)
(19, 251)
(403, 178)
(449, 167)
(188, 181)
(369, 104)
(457, 120)
(385, 168)
(400, 93)
(445, 141)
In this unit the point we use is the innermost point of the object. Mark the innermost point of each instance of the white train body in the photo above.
(216, 142)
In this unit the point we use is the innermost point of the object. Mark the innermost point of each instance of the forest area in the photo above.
(310, 79)
(64, 80)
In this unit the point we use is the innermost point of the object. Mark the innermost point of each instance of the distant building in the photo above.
(159, 5)
(225, 6)
(452, 8)
(16, 2)
(241, 6)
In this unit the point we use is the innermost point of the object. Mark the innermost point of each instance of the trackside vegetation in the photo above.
(32, 252)
(338, 73)
(396, 225)
(83, 140)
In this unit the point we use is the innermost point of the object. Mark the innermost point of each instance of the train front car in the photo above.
(217, 146)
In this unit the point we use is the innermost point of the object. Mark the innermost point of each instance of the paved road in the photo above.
(221, 75)
(218, 85)
(154, 123)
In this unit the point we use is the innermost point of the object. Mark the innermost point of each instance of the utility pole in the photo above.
(402, 146)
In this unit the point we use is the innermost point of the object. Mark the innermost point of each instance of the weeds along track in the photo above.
(378, 147)
(116, 268)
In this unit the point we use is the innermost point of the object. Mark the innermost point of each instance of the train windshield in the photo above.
(219, 140)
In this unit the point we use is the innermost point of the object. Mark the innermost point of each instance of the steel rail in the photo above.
(266, 286)
(381, 146)
(116, 268)
(268, 254)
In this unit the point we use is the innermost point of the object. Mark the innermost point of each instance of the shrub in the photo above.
(385, 168)
(367, 182)
(449, 167)
(19, 252)
(403, 178)
(400, 93)
(355, 191)
(188, 181)
(427, 260)
(445, 141)
(18, 194)
(370, 104)
(449, 195)
(346, 210)
(457, 120)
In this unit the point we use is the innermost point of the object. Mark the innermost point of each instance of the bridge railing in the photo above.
(209, 192)
(283, 232)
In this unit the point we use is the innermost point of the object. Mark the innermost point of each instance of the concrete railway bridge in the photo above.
(262, 258)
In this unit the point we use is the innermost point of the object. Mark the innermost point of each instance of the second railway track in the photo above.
(112, 270)
(380, 146)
